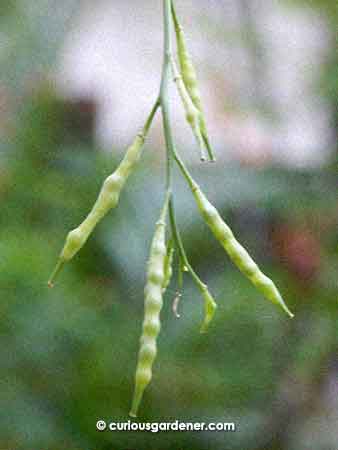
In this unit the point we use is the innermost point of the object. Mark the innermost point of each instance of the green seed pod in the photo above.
(152, 308)
(210, 307)
(190, 81)
(108, 198)
(192, 114)
(236, 251)
(168, 266)
(186, 65)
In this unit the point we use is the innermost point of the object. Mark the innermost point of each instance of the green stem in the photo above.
(150, 118)
(171, 152)
(165, 206)
(193, 185)
(177, 25)
(164, 90)
(178, 240)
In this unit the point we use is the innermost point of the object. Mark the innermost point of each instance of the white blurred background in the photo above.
(258, 64)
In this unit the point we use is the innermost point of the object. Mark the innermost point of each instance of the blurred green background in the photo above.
(68, 355)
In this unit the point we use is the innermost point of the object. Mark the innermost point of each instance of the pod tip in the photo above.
(55, 272)
(288, 312)
(136, 401)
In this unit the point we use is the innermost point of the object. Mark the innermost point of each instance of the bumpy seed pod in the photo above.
(190, 81)
(236, 251)
(168, 266)
(193, 115)
(153, 306)
(108, 198)
(210, 307)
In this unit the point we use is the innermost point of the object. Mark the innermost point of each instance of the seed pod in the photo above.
(210, 307)
(192, 114)
(236, 252)
(168, 266)
(152, 309)
(108, 198)
(190, 81)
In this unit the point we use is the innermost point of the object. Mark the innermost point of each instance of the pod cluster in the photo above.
(161, 257)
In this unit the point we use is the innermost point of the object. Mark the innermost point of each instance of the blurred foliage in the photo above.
(68, 355)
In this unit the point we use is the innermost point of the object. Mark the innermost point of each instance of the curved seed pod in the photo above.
(168, 266)
(192, 114)
(108, 198)
(152, 308)
(190, 81)
(236, 251)
(210, 307)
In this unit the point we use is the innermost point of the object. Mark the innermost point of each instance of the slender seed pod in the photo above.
(192, 114)
(190, 81)
(108, 198)
(168, 266)
(236, 251)
(152, 306)
(210, 307)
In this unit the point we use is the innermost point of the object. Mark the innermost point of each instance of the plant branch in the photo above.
(171, 152)
(164, 90)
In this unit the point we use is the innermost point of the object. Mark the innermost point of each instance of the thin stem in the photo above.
(181, 268)
(164, 90)
(193, 185)
(150, 117)
(174, 16)
(178, 240)
(165, 206)
(171, 152)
